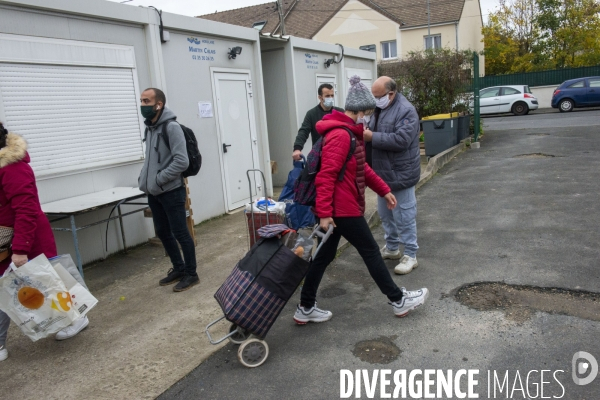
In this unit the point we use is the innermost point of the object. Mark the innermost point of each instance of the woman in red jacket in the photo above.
(342, 203)
(20, 209)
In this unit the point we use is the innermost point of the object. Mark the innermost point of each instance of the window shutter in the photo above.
(73, 117)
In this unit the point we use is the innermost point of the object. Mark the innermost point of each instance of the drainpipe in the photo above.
(456, 26)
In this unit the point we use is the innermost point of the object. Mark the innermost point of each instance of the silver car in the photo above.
(516, 99)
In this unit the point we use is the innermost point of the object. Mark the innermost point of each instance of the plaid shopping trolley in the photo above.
(256, 291)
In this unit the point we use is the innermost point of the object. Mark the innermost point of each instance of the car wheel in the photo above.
(566, 105)
(520, 108)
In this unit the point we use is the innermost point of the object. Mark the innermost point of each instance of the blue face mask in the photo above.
(328, 102)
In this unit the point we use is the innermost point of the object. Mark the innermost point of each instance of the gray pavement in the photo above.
(523, 210)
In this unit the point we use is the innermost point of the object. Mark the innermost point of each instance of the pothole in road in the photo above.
(535, 155)
(379, 351)
(519, 303)
(331, 292)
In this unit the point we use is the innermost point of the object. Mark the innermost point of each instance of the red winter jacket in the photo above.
(19, 203)
(345, 198)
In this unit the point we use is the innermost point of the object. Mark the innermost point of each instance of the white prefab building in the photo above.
(71, 74)
(293, 69)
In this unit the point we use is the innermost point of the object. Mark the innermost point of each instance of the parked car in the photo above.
(516, 99)
(581, 92)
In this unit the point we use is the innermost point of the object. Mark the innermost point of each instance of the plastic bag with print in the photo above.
(36, 299)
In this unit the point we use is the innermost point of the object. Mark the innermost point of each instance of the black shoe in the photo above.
(186, 283)
(172, 277)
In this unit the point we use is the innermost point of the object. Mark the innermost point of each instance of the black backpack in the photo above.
(191, 145)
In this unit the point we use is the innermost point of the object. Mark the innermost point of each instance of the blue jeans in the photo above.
(168, 213)
(400, 224)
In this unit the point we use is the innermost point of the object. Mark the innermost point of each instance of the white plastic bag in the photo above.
(36, 299)
(259, 206)
(83, 301)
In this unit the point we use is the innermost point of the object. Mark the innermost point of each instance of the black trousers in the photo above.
(168, 212)
(357, 232)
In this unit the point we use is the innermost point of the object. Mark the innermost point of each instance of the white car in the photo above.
(516, 99)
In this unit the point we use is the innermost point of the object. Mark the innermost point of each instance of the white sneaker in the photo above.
(410, 301)
(390, 255)
(303, 316)
(3, 353)
(77, 326)
(406, 265)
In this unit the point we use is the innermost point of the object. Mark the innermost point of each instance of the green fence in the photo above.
(542, 78)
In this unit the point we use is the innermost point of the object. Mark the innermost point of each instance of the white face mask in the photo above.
(328, 102)
(383, 102)
(363, 120)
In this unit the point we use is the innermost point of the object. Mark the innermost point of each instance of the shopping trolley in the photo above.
(254, 294)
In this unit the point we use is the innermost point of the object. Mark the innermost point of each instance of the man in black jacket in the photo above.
(314, 115)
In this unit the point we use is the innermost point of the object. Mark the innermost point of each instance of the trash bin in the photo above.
(464, 122)
(440, 133)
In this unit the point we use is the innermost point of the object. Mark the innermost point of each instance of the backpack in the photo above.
(297, 215)
(305, 190)
(191, 146)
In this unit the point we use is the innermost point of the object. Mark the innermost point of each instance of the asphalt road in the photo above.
(522, 209)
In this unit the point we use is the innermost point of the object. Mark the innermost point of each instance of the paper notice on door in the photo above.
(205, 110)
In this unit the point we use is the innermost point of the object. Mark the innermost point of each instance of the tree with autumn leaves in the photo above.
(536, 35)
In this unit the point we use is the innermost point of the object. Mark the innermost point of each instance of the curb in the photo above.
(434, 165)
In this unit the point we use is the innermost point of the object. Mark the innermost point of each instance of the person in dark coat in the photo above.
(393, 134)
(20, 209)
(326, 95)
(342, 204)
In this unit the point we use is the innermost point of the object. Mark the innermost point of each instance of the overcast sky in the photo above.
(200, 7)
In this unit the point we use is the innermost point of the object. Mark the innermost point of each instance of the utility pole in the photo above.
(281, 18)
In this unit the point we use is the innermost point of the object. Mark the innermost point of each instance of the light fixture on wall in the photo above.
(330, 61)
(234, 52)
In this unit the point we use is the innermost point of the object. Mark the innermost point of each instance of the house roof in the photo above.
(304, 18)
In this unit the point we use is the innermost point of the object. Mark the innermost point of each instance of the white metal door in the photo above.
(237, 133)
(366, 76)
(332, 80)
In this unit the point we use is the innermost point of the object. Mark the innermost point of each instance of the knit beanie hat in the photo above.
(359, 96)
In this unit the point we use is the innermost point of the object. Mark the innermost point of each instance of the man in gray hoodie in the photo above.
(161, 179)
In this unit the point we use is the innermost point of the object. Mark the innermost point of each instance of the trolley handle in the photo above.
(264, 185)
(323, 235)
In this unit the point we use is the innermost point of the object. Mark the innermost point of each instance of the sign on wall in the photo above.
(202, 50)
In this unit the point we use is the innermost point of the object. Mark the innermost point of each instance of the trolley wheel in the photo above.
(239, 337)
(253, 353)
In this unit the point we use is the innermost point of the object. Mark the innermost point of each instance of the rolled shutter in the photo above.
(73, 117)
